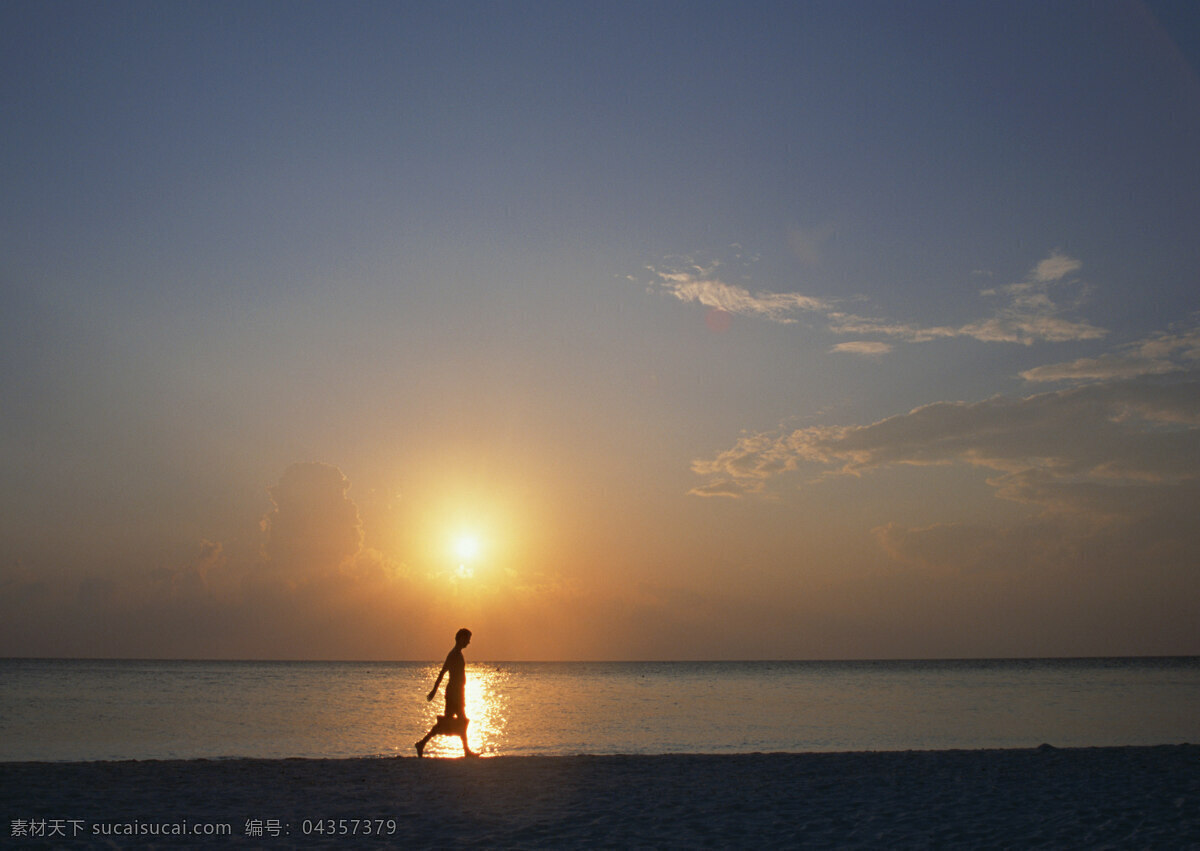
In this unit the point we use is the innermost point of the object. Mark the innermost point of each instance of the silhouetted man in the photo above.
(455, 721)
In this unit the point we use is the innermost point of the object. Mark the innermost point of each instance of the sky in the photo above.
(648, 330)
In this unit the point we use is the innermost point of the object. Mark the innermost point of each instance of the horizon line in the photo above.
(253, 660)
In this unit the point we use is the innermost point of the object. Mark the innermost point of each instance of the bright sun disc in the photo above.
(466, 547)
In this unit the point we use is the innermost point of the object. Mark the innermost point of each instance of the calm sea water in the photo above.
(94, 709)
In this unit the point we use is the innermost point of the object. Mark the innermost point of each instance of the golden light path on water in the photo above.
(487, 707)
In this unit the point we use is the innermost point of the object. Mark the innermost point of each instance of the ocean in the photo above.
(56, 710)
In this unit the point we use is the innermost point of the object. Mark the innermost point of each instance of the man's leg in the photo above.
(463, 735)
(421, 744)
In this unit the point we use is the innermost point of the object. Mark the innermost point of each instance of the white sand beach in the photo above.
(1136, 797)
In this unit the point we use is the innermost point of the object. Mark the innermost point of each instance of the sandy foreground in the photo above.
(1137, 797)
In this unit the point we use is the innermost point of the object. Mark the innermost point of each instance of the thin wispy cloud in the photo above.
(1159, 354)
(702, 286)
(1029, 313)
(1033, 310)
(867, 348)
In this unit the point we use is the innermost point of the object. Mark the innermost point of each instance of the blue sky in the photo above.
(736, 330)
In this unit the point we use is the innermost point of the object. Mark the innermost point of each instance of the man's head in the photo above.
(462, 638)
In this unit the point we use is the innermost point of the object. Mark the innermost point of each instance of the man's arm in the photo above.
(441, 673)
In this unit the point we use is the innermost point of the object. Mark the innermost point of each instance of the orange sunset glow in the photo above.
(811, 332)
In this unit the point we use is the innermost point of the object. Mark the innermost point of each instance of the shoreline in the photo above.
(1136, 796)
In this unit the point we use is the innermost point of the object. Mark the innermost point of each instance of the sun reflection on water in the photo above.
(487, 707)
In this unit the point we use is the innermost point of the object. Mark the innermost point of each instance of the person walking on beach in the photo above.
(455, 721)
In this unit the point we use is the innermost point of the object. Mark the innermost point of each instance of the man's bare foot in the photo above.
(470, 753)
(420, 749)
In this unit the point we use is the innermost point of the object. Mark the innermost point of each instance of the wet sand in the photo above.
(1137, 797)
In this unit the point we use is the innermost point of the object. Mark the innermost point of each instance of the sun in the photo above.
(466, 550)
(467, 547)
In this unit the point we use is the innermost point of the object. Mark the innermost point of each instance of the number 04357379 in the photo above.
(348, 827)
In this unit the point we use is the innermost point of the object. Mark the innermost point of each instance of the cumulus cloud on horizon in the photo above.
(314, 525)
(310, 589)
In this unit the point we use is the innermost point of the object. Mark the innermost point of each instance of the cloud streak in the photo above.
(702, 286)
(866, 348)
(1028, 314)
(1030, 310)
(1165, 352)
(1044, 448)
